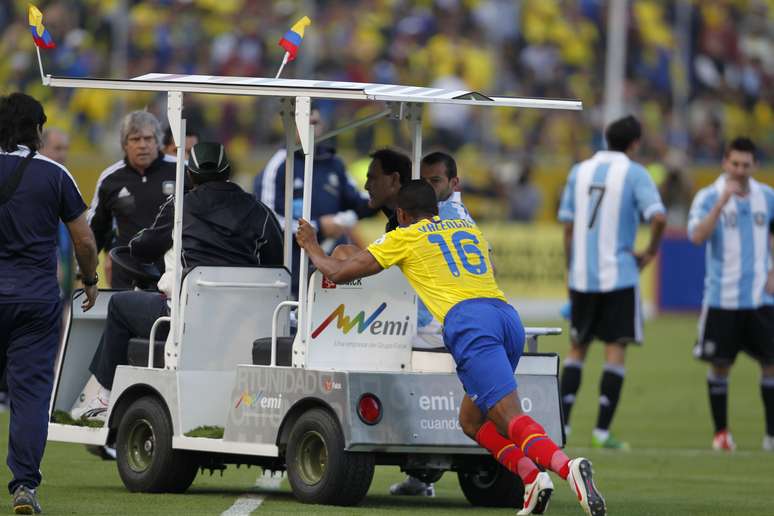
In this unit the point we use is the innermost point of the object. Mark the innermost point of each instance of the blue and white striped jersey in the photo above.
(738, 253)
(452, 208)
(605, 197)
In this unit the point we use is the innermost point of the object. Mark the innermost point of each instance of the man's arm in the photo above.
(339, 271)
(271, 251)
(568, 231)
(770, 279)
(100, 219)
(151, 243)
(86, 254)
(657, 225)
(703, 230)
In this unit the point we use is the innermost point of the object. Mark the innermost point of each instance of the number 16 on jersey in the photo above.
(466, 246)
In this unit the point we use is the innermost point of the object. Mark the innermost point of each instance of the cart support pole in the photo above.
(290, 175)
(177, 124)
(414, 117)
(306, 135)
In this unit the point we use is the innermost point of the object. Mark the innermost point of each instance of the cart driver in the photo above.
(222, 225)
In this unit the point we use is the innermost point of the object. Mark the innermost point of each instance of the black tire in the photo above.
(146, 461)
(491, 485)
(320, 471)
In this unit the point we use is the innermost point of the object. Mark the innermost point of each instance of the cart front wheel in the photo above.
(146, 461)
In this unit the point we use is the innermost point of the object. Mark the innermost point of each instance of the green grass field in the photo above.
(664, 415)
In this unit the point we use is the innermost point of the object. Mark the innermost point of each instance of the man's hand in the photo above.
(91, 297)
(307, 237)
(643, 258)
(770, 282)
(732, 188)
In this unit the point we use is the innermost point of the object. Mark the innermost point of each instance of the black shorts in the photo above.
(724, 333)
(613, 316)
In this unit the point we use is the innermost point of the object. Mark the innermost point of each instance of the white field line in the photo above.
(244, 505)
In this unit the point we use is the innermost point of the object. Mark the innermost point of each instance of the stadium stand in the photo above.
(521, 48)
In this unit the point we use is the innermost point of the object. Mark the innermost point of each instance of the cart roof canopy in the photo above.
(261, 86)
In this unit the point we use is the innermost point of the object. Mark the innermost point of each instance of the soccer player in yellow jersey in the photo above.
(447, 263)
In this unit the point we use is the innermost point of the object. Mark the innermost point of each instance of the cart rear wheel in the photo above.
(491, 485)
(146, 460)
(320, 471)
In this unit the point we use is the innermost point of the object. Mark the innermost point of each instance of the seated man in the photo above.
(222, 225)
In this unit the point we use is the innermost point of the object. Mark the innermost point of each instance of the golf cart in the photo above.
(231, 385)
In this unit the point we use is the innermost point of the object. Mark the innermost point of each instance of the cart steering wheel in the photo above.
(145, 275)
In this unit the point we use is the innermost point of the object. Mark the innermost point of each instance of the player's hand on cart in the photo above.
(91, 297)
(306, 236)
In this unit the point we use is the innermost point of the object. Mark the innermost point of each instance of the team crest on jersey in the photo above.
(168, 187)
(760, 218)
(333, 180)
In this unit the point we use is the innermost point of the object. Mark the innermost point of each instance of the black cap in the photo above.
(209, 159)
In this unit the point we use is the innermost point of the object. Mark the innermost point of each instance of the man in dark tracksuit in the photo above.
(35, 194)
(222, 225)
(337, 204)
(130, 191)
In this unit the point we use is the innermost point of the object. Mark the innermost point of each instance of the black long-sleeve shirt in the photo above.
(222, 225)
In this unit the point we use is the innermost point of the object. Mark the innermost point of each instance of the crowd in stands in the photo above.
(697, 72)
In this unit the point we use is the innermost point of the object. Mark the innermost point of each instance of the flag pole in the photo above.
(40, 65)
(284, 62)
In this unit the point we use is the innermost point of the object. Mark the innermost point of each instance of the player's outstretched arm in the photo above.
(337, 270)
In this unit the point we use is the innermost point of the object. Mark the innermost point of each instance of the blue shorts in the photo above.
(486, 338)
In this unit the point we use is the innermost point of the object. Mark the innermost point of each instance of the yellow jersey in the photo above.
(446, 261)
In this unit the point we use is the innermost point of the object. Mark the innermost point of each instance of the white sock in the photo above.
(601, 435)
(104, 395)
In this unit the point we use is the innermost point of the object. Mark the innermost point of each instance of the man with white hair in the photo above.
(130, 191)
(56, 144)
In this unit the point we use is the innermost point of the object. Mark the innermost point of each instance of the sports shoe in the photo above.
(723, 441)
(94, 410)
(537, 494)
(583, 486)
(412, 487)
(25, 501)
(103, 452)
(768, 443)
(610, 443)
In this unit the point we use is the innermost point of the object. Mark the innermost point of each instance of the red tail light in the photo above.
(369, 409)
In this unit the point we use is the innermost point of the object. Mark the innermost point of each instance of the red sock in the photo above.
(506, 453)
(535, 444)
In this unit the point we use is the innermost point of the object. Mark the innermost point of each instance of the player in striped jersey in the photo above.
(602, 205)
(733, 217)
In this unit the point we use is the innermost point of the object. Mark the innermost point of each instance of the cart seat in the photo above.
(138, 352)
(262, 351)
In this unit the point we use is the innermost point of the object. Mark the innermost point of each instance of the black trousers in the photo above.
(130, 314)
(29, 339)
